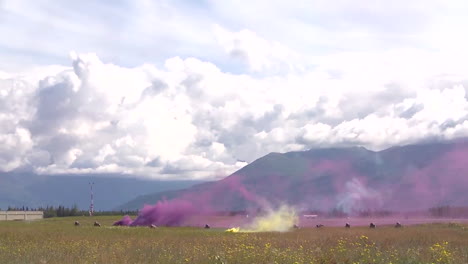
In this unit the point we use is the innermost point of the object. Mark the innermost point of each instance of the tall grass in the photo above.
(59, 241)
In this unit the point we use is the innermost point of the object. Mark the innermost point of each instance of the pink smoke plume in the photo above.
(375, 181)
(125, 221)
(166, 213)
(438, 183)
(402, 186)
(177, 211)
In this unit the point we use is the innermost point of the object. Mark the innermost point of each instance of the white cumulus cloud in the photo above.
(189, 119)
(169, 90)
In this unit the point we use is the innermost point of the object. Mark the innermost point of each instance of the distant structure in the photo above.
(91, 206)
(312, 216)
(21, 215)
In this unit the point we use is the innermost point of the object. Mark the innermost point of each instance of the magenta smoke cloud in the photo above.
(388, 180)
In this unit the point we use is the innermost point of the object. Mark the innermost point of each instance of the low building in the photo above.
(21, 215)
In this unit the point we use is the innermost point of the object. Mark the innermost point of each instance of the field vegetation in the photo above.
(57, 240)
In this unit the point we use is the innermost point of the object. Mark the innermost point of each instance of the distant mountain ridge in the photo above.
(29, 190)
(350, 179)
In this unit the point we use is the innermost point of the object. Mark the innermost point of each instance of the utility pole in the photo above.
(91, 206)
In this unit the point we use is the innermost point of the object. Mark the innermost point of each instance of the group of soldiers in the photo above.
(347, 225)
(96, 223)
(371, 225)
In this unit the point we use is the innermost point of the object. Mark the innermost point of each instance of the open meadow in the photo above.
(57, 240)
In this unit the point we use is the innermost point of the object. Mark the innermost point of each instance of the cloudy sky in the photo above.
(195, 89)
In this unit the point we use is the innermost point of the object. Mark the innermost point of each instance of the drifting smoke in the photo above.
(164, 213)
(233, 230)
(280, 220)
(176, 212)
(125, 221)
(357, 197)
(325, 184)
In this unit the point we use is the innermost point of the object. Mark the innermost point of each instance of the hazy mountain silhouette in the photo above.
(351, 179)
(22, 189)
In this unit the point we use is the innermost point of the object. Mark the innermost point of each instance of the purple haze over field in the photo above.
(125, 221)
(325, 184)
(175, 212)
(163, 213)
(443, 181)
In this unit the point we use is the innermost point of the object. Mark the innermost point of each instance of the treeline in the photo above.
(62, 211)
(339, 213)
(449, 211)
(10, 208)
(375, 213)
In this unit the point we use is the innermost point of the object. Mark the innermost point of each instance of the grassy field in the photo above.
(58, 241)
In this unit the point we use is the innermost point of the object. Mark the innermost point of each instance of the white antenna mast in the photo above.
(91, 206)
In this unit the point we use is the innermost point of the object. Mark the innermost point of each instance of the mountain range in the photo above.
(110, 190)
(411, 177)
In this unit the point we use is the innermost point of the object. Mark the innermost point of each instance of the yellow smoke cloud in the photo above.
(280, 220)
(233, 230)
